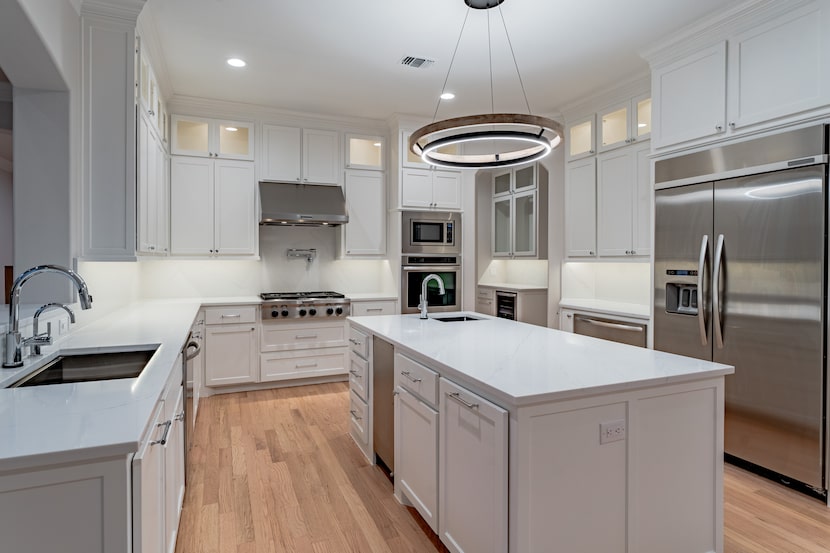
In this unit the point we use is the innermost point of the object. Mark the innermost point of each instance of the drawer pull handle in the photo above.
(355, 342)
(305, 365)
(408, 375)
(163, 439)
(457, 397)
(232, 316)
(305, 336)
(355, 373)
(354, 414)
(375, 309)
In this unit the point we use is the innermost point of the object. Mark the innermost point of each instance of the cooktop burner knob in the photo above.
(339, 310)
(330, 311)
(312, 311)
(302, 312)
(275, 313)
(284, 312)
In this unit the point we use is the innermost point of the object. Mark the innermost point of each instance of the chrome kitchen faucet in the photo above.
(423, 305)
(14, 341)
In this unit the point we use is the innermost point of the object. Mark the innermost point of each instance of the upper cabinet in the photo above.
(519, 211)
(365, 233)
(431, 189)
(197, 136)
(581, 138)
(625, 123)
(294, 154)
(766, 69)
(148, 94)
(365, 152)
(409, 159)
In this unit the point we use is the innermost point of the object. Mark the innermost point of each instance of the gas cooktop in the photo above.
(304, 305)
(305, 296)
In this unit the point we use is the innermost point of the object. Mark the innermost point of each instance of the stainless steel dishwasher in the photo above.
(383, 401)
(633, 334)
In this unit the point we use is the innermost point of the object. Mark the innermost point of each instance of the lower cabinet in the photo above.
(230, 347)
(362, 308)
(472, 472)
(416, 454)
(486, 301)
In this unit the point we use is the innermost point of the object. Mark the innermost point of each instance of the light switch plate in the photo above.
(611, 431)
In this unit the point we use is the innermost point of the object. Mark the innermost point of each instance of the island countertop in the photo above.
(519, 364)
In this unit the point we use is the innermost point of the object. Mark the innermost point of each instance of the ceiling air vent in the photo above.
(416, 63)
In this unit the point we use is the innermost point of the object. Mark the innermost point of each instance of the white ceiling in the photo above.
(335, 57)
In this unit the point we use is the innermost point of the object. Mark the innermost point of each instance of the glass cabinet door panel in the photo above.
(365, 152)
(525, 223)
(643, 117)
(614, 127)
(501, 183)
(191, 136)
(501, 226)
(525, 178)
(581, 138)
(234, 140)
(145, 81)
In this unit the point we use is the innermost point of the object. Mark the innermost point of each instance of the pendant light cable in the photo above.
(490, 56)
(452, 61)
(515, 63)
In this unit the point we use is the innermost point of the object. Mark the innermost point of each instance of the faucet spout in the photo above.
(14, 341)
(424, 303)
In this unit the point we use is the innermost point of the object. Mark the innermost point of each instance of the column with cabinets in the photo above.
(231, 352)
(365, 192)
(608, 195)
(425, 187)
(212, 188)
(519, 225)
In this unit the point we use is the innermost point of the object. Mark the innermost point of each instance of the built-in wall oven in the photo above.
(431, 232)
(415, 268)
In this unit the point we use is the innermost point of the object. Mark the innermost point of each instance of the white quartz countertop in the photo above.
(57, 423)
(517, 364)
(611, 307)
(369, 296)
(512, 287)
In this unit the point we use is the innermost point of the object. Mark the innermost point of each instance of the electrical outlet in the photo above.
(611, 431)
(63, 326)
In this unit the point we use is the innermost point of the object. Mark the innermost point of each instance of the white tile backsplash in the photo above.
(532, 272)
(618, 282)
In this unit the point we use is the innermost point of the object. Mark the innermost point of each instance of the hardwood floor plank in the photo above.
(275, 471)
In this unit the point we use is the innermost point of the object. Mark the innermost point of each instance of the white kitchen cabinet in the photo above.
(294, 154)
(152, 182)
(307, 349)
(624, 123)
(173, 462)
(148, 94)
(430, 189)
(486, 301)
(519, 213)
(580, 208)
(365, 152)
(581, 135)
(213, 138)
(362, 308)
(767, 68)
(416, 454)
(624, 202)
(212, 207)
(472, 472)
(365, 233)
(360, 392)
(148, 488)
(230, 349)
(409, 159)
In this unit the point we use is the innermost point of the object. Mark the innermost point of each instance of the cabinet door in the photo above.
(566, 320)
(365, 152)
(614, 125)
(173, 467)
(641, 117)
(472, 469)
(365, 234)
(416, 454)
(581, 135)
(524, 178)
(641, 239)
(416, 188)
(615, 200)
(780, 68)
(446, 189)
(524, 223)
(190, 136)
(281, 153)
(230, 355)
(145, 165)
(580, 208)
(148, 489)
(321, 157)
(690, 97)
(191, 206)
(502, 182)
(235, 208)
(162, 199)
(234, 140)
(502, 226)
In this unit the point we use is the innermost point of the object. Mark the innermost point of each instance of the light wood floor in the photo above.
(276, 471)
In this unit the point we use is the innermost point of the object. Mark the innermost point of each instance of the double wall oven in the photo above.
(430, 244)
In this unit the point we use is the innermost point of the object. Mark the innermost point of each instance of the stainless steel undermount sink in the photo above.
(88, 367)
(456, 319)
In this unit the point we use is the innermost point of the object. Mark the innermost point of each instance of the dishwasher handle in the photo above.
(615, 326)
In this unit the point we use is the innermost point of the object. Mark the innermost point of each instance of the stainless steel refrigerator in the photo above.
(740, 255)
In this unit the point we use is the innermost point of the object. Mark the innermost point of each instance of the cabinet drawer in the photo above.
(359, 375)
(485, 294)
(416, 378)
(359, 419)
(302, 364)
(359, 342)
(279, 337)
(373, 308)
(226, 315)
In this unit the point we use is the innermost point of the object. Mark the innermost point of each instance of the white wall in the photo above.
(617, 282)
(6, 219)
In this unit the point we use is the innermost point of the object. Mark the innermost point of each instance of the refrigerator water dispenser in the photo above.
(681, 298)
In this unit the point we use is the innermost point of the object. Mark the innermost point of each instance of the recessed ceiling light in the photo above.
(231, 129)
(447, 96)
(641, 125)
(377, 144)
(236, 62)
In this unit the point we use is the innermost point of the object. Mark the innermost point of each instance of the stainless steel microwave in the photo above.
(431, 232)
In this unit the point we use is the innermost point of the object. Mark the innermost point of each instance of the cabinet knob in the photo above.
(570, 315)
(719, 127)
(298, 179)
(732, 124)
(633, 252)
(590, 253)
(591, 152)
(627, 252)
(633, 139)
(151, 112)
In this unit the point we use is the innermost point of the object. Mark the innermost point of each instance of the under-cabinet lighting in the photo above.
(377, 144)
(231, 129)
(641, 125)
(236, 62)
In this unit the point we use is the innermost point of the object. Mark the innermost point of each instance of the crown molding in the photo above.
(147, 30)
(638, 84)
(119, 11)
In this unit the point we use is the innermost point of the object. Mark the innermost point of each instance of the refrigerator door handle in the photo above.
(716, 311)
(701, 310)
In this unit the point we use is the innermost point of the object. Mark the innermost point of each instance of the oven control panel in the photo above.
(276, 311)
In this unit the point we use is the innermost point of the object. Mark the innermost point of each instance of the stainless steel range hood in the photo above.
(285, 203)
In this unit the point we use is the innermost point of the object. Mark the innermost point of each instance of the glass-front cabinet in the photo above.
(502, 221)
(524, 224)
(580, 138)
(515, 211)
(196, 136)
(625, 123)
(365, 152)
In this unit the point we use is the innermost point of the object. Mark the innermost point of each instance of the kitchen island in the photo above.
(514, 437)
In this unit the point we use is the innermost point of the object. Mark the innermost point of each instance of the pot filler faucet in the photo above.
(423, 305)
(14, 341)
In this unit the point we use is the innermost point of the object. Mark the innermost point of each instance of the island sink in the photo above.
(89, 367)
(456, 319)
